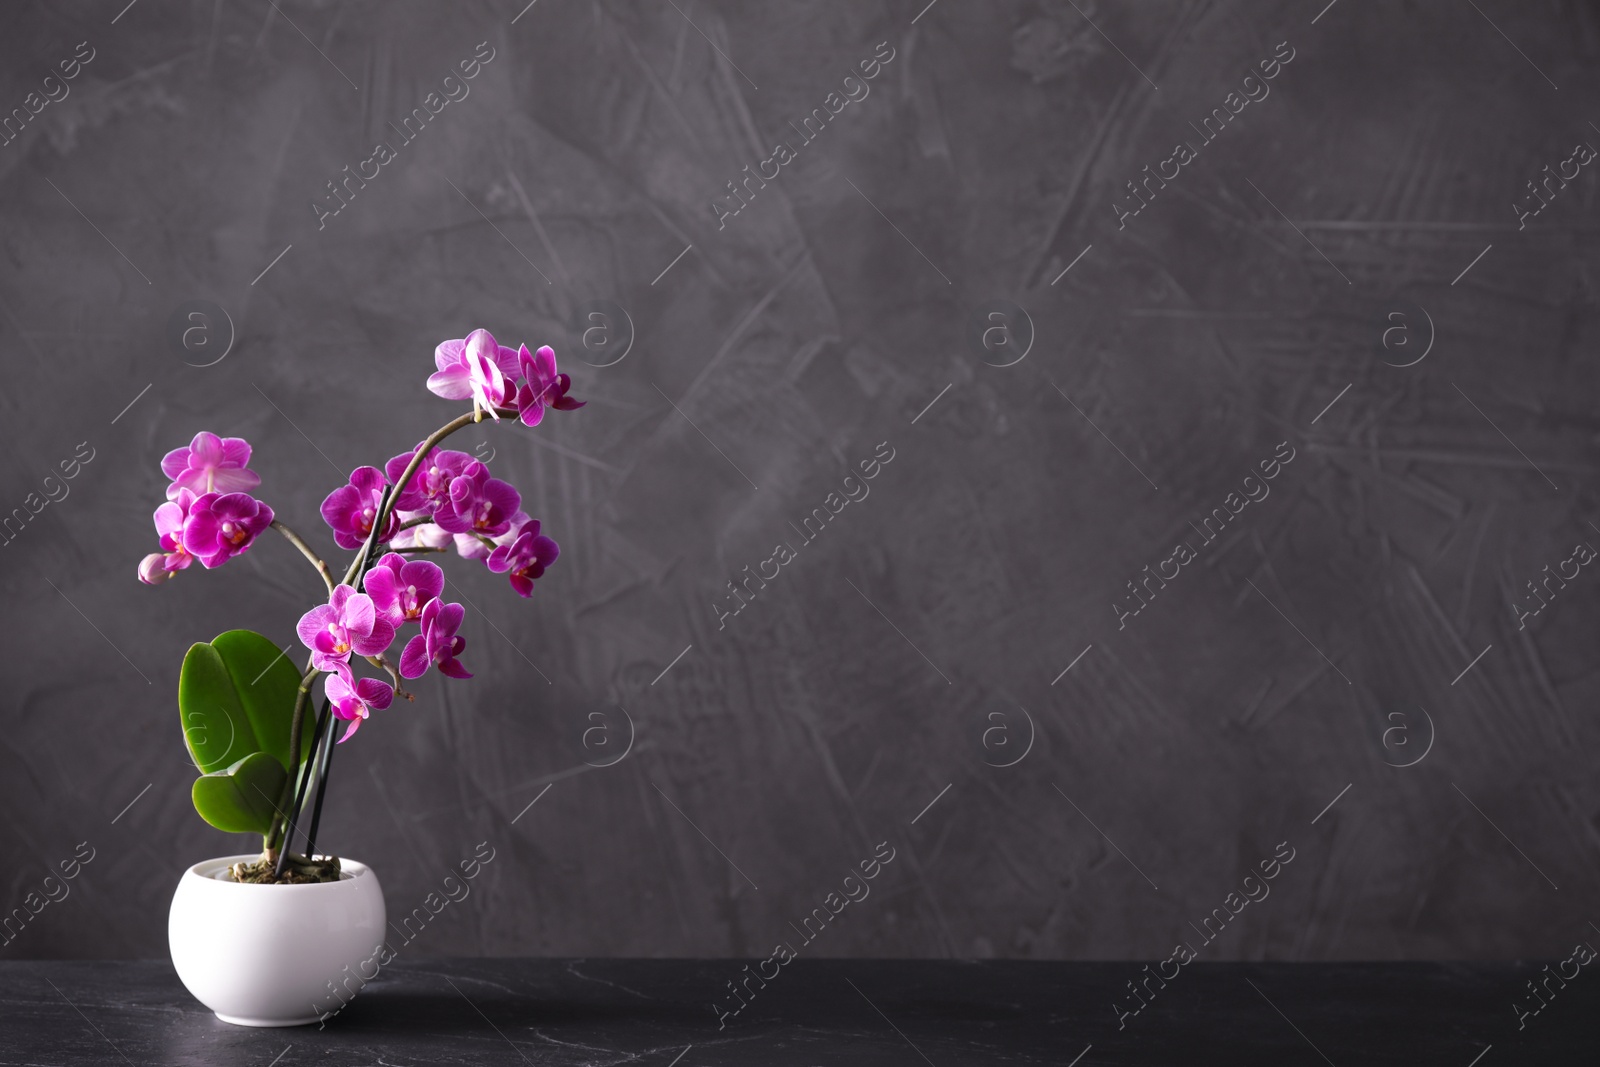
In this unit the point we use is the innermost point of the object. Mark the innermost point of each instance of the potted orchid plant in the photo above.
(246, 712)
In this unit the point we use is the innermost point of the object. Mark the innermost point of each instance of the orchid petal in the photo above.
(374, 693)
(169, 518)
(449, 665)
(338, 665)
(358, 613)
(313, 623)
(235, 452)
(377, 641)
(424, 576)
(174, 463)
(205, 450)
(448, 354)
(234, 481)
(452, 668)
(506, 359)
(545, 362)
(368, 479)
(380, 584)
(336, 689)
(451, 522)
(341, 594)
(200, 533)
(414, 660)
(480, 344)
(530, 409)
(339, 505)
(452, 384)
(449, 619)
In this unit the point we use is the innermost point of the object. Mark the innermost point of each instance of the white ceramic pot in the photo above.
(275, 955)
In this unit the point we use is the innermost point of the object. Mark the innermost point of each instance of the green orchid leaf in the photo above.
(236, 697)
(241, 799)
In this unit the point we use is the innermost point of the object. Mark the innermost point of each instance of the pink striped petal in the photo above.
(452, 384)
(205, 450)
(448, 354)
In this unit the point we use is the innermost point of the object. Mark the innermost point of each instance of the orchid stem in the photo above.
(381, 662)
(305, 550)
(300, 793)
(295, 729)
(322, 787)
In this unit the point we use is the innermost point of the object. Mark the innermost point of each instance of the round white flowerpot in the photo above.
(275, 955)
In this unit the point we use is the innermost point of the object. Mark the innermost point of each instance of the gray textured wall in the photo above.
(1305, 655)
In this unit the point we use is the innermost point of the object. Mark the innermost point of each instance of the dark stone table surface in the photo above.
(659, 1013)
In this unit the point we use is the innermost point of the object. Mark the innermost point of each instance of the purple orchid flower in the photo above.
(220, 526)
(543, 387)
(353, 704)
(173, 557)
(347, 623)
(525, 558)
(427, 535)
(401, 588)
(438, 644)
(210, 464)
(476, 367)
(429, 488)
(352, 509)
(478, 504)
